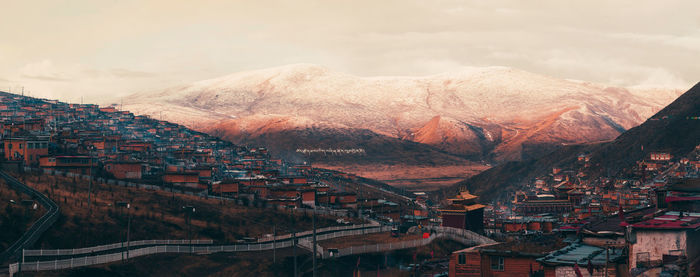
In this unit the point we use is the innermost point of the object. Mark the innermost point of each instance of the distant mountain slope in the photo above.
(278, 133)
(672, 130)
(478, 113)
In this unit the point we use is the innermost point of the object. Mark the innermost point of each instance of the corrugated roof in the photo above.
(580, 254)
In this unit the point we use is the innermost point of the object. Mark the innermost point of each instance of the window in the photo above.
(20, 146)
(462, 258)
(497, 263)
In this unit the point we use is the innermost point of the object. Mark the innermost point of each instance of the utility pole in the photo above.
(313, 224)
(274, 243)
(294, 251)
(90, 183)
(189, 211)
(128, 231)
(127, 205)
(607, 257)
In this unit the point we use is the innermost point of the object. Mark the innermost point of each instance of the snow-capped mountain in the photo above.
(478, 113)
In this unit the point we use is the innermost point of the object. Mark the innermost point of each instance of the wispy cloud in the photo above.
(685, 41)
(46, 71)
(126, 73)
(162, 43)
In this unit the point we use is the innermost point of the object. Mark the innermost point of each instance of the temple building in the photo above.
(463, 212)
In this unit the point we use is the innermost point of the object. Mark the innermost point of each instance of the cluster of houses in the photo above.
(106, 142)
(565, 225)
(562, 224)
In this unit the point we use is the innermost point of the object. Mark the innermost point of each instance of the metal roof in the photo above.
(580, 254)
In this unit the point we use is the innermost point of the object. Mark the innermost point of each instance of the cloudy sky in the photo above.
(97, 49)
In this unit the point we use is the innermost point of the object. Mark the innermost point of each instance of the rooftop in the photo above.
(614, 223)
(671, 221)
(528, 246)
(580, 254)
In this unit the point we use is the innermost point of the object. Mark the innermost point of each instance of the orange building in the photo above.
(183, 179)
(27, 149)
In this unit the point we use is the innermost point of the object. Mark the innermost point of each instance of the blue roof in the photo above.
(580, 253)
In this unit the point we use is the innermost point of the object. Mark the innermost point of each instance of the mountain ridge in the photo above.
(474, 114)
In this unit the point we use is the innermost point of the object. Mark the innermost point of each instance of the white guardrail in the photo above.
(196, 248)
(322, 230)
(100, 248)
(464, 236)
(460, 235)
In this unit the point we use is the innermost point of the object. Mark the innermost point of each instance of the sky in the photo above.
(98, 49)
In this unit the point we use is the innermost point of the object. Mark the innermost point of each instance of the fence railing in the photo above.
(197, 248)
(464, 236)
(39, 227)
(322, 230)
(113, 257)
(479, 239)
(107, 247)
(307, 244)
(118, 256)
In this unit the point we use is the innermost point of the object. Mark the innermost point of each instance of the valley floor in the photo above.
(412, 177)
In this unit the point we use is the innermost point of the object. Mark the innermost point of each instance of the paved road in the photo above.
(38, 228)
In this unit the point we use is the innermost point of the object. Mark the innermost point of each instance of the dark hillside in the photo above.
(674, 129)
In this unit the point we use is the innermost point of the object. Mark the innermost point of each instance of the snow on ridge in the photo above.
(397, 105)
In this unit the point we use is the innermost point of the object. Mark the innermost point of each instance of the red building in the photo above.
(660, 156)
(74, 164)
(226, 187)
(183, 179)
(124, 170)
(293, 179)
(556, 206)
(464, 213)
(508, 259)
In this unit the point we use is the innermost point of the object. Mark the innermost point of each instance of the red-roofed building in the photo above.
(671, 234)
(226, 188)
(124, 170)
(183, 179)
(660, 156)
